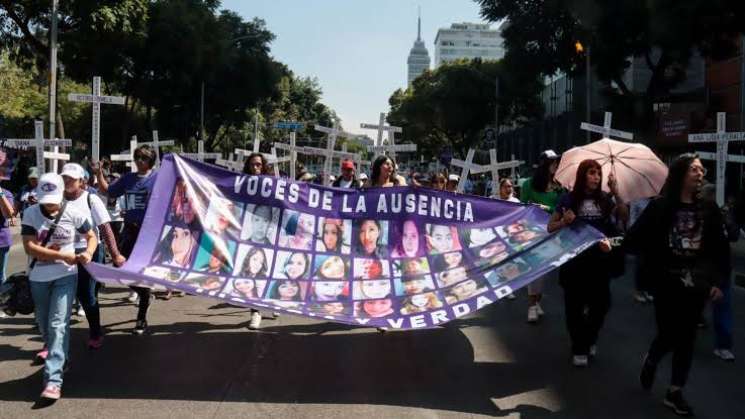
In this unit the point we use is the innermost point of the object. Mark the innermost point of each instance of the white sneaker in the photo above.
(133, 297)
(579, 361)
(539, 309)
(533, 314)
(593, 350)
(640, 297)
(725, 354)
(255, 320)
(511, 296)
(80, 312)
(275, 314)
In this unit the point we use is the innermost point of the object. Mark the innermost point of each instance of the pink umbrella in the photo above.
(639, 172)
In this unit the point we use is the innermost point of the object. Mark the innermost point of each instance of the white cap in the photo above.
(549, 155)
(362, 176)
(453, 178)
(73, 170)
(50, 189)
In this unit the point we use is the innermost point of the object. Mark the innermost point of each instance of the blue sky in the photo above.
(357, 49)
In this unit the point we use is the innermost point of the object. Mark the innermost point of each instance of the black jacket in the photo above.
(649, 237)
(355, 183)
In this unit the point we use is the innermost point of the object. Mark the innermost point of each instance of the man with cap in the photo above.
(53, 272)
(452, 185)
(80, 199)
(347, 178)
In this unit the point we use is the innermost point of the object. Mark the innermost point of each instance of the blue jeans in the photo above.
(3, 262)
(722, 318)
(53, 302)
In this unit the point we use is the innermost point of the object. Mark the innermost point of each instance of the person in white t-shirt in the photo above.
(81, 200)
(53, 272)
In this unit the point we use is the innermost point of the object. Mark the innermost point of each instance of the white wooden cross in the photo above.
(468, 165)
(39, 143)
(495, 166)
(722, 139)
(231, 163)
(128, 156)
(606, 129)
(200, 155)
(155, 145)
(330, 153)
(391, 148)
(96, 99)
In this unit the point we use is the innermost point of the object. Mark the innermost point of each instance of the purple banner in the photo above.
(401, 258)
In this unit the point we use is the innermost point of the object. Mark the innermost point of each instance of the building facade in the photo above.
(418, 61)
(468, 40)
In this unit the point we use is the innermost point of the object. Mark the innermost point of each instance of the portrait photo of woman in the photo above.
(446, 261)
(178, 247)
(245, 288)
(370, 268)
(451, 277)
(372, 289)
(420, 303)
(442, 239)
(465, 290)
(292, 265)
(286, 290)
(184, 209)
(297, 230)
(374, 308)
(409, 241)
(335, 268)
(253, 261)
(223, 218)
(334, 235)
(507, 272)
(260, 224)
(413, 285)
(370, 238)
(476, 237)
(331, 308)
(322, 290)
(410, 267)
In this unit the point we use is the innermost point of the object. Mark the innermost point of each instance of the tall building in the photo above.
(468, 40)
(418, 60)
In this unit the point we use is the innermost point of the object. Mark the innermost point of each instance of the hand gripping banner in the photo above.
(401, 258)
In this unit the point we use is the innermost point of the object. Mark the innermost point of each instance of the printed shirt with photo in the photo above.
(71, 226)
(6, 238)
(136, 190)
(685, 237)
(96, 215)
(588, 211)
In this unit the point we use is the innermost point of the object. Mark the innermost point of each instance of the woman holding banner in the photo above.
(586, 278)
(384, 174)
(542, 190)
(685, 236)
(136, 188)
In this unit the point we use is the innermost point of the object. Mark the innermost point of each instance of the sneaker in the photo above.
(51, 392)
(725, 354)
(95, 343)
(275, 314)
(140, 327)
(675, 401)
(593, 350)
(646, 376)
(511, 296)
(133, 297)
(80, 312)
(640, 297)
(42, 354)
(540, 309)
(255, 320)
(579, 361)
(649, 297)
(533, 314)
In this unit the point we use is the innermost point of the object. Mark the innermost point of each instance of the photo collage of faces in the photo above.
(366, 268)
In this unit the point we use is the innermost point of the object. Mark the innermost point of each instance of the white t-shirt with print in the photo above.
(96, 215)
(71, 226)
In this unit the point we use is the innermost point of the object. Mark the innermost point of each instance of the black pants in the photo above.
(87, 294)
(129, 238)
(678, 310)
(586, 301)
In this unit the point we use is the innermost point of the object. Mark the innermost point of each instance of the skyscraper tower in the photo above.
(418, 60)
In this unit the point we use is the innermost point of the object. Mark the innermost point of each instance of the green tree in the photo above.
(451, 106)
(541, 36)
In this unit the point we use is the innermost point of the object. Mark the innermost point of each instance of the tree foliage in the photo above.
(540, 37)
(451, 106)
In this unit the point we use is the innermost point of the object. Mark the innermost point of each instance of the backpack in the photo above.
(15, 295)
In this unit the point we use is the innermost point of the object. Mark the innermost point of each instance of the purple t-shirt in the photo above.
(6, 238)
(136, 190)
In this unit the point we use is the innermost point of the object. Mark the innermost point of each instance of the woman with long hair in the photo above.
(684, 235)
(586, 278)
(542, 190)
(178, 247)
(255, 264)
(384, 174)
(437, 181)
